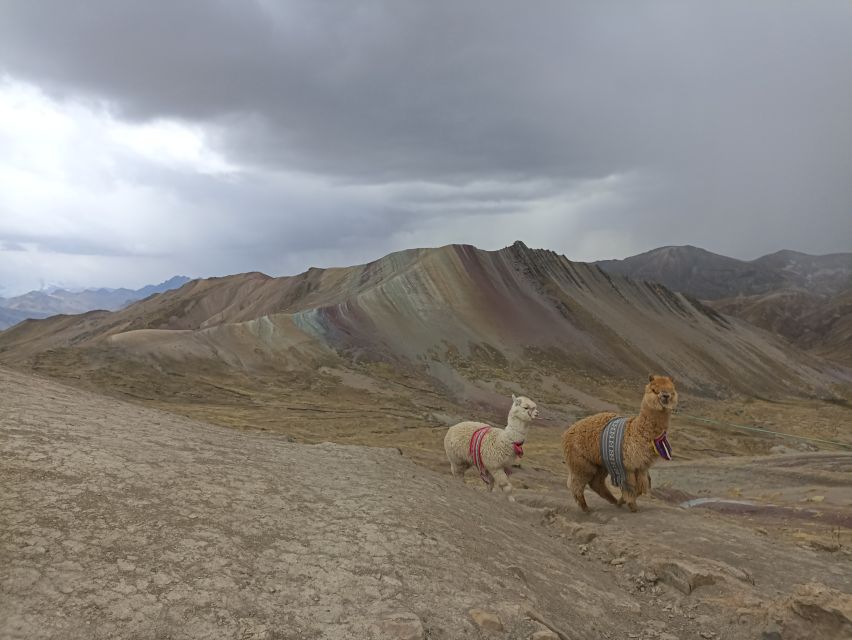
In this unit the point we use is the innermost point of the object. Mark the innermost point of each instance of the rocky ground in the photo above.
(125, 521)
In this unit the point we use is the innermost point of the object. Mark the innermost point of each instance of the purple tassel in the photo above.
(663, 447)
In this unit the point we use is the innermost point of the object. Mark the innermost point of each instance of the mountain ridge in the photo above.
(388, 352)
(710, 276)
(41, 304)
(800, 297)
(419, 305)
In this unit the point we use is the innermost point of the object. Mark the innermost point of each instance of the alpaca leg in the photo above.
(643, 482)
(576, 487)
(628, 493)
(458, 469)
(599, 486)
(502, 481)
(581, 474)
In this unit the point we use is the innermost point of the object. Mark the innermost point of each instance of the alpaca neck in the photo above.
(516, 429)
(651, 423)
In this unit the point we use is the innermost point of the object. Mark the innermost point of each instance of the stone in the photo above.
(585, 535)
(618, 561)
(486, 620)
(544, 634)
(684, 576)
(687, 576)
(402, 626)
(826, 612)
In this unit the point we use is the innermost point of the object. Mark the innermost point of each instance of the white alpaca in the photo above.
(495, 449)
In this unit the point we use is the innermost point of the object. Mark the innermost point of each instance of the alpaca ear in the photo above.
(516, 400)
(650, 377)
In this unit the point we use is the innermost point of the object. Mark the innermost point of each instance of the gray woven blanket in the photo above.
(612, 439)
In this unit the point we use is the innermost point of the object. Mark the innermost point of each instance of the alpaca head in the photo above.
(660, 394)
(523, 409)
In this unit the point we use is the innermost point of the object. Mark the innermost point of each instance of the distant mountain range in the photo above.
(41, 304)
(710, 276)
(806, 299)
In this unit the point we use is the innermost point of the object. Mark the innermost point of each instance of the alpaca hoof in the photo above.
(633, 508)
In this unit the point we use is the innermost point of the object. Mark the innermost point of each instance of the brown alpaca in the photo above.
(582, 450)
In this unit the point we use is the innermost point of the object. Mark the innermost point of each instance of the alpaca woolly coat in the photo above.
(497, 449)
(582, 450)
(583, 440)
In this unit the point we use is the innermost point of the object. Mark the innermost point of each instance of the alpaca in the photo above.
(492, 450)
(644, 440)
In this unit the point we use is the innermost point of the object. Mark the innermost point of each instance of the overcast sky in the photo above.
(139, 140)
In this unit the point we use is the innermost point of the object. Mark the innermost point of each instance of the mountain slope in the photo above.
(825, 274)
(710, 276)
(9, 317)
(803, 298)
(120, 521)
(439, 310)
(245, 533)
(819, 323)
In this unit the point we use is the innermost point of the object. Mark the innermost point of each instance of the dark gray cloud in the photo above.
(600, 128)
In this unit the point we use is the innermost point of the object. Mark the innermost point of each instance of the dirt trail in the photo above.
(123, 521)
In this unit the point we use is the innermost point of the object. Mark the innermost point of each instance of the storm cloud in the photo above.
(210, 137)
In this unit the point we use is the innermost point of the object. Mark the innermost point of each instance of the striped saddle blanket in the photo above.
(612, 450)
(475, 452)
